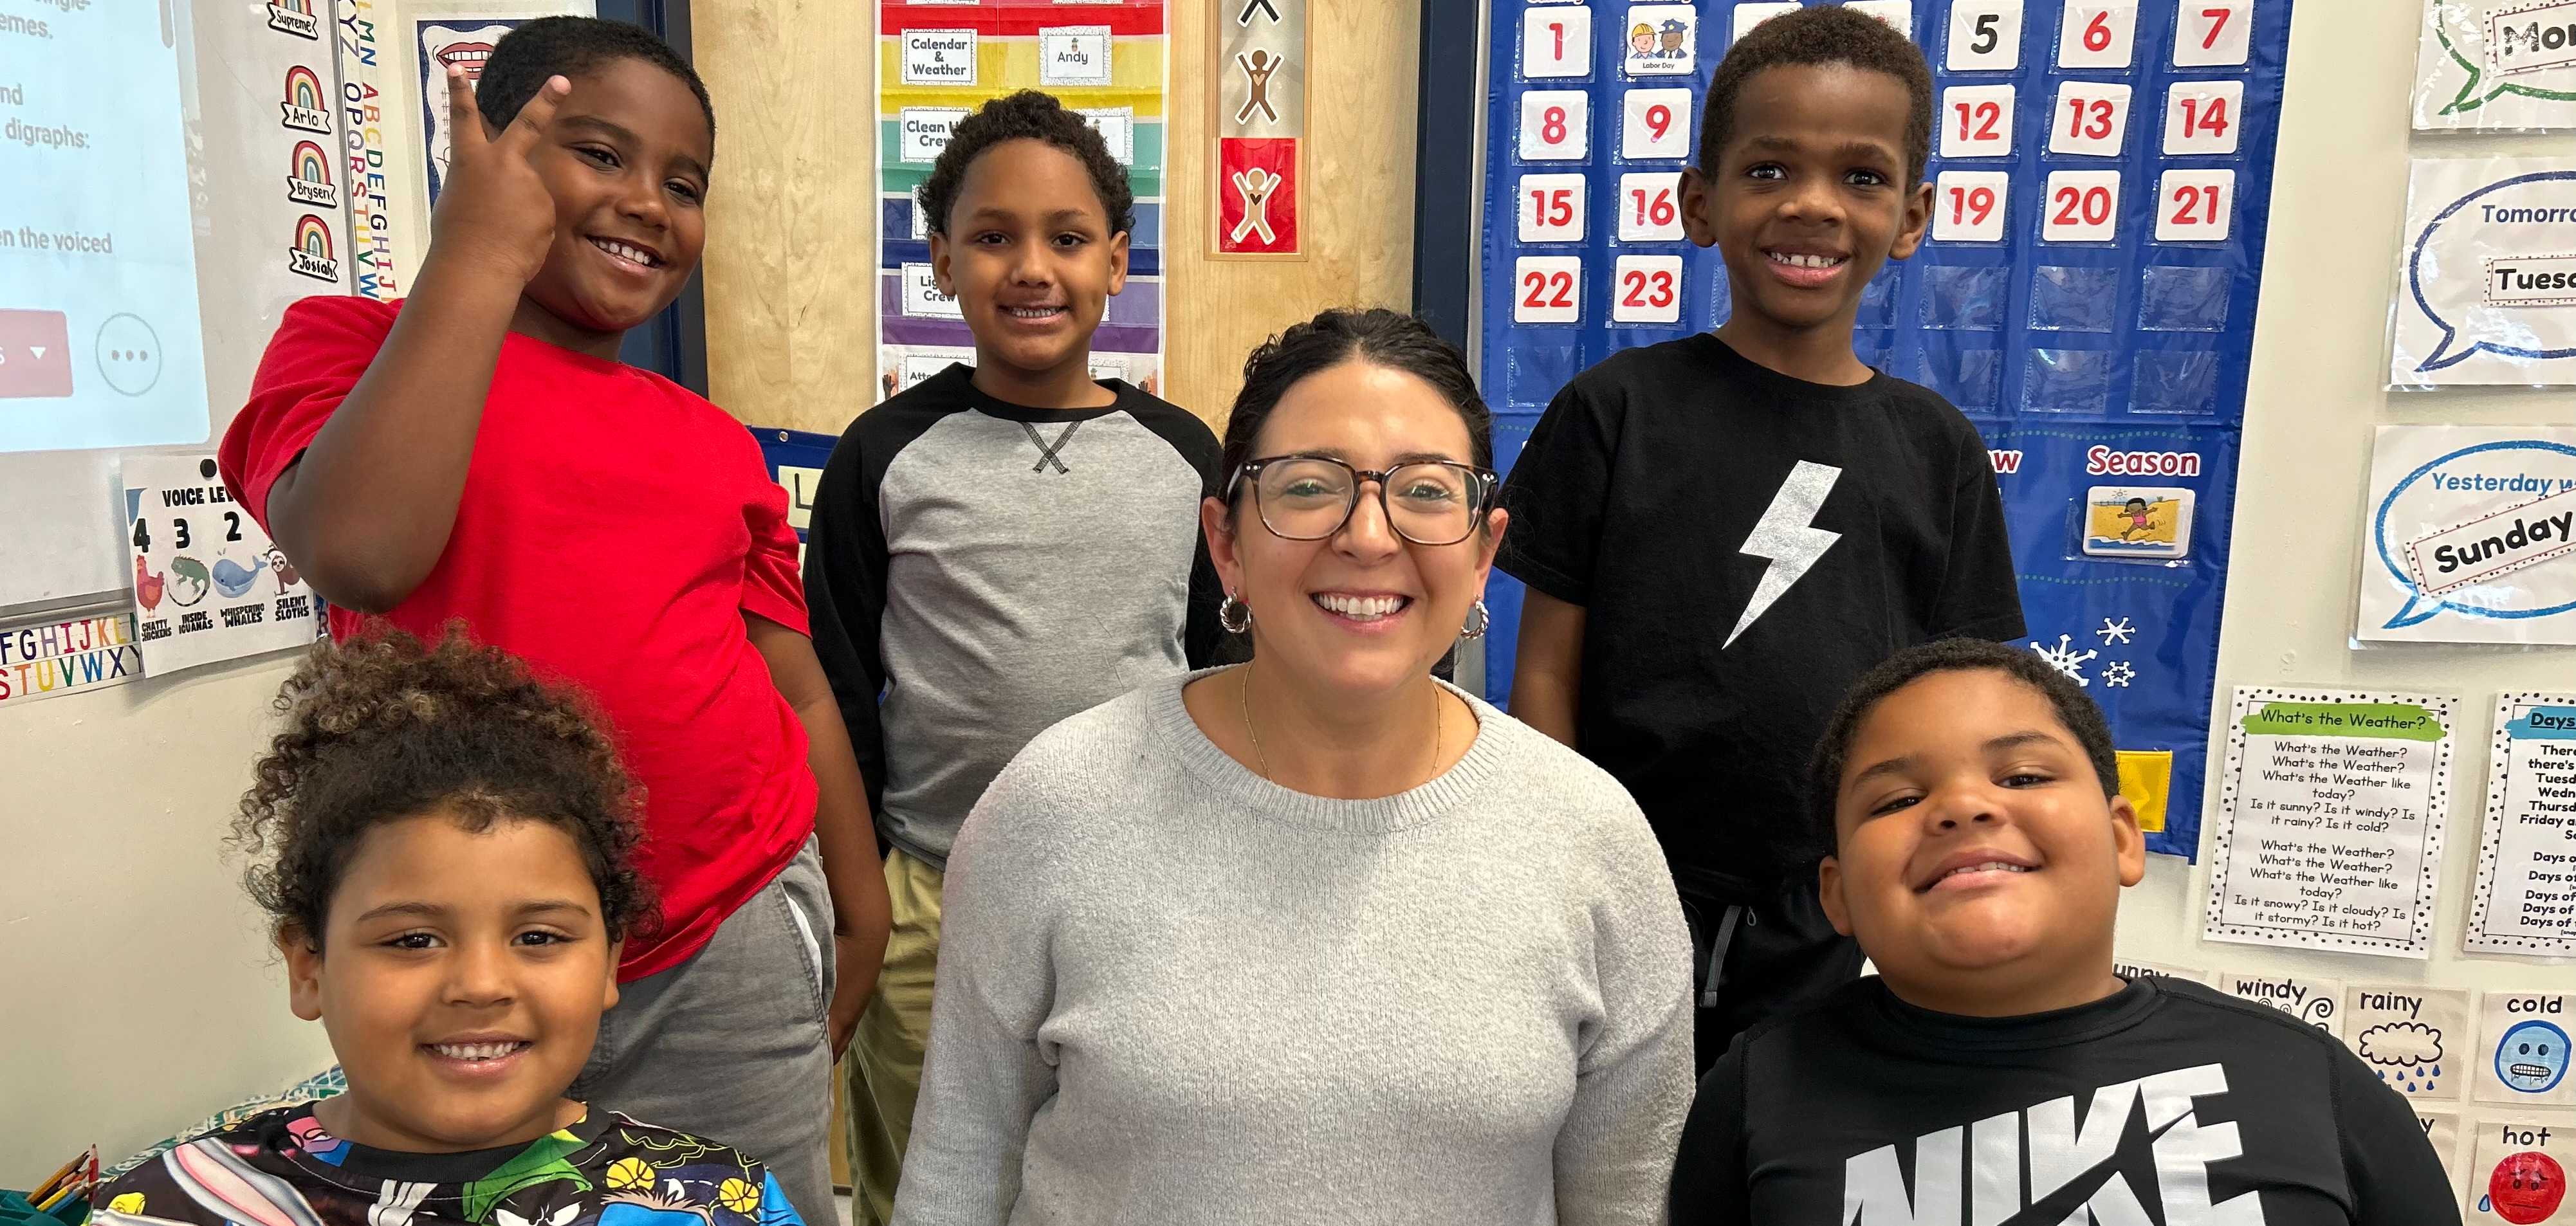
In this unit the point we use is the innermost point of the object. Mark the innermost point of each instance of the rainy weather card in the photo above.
(2330, 821)
(2486, 273)
(2471, 536)
(208, 585)
(2525, 902)
(2414, 1038)
(2496, 65)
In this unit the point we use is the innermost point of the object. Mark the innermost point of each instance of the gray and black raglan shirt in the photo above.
(978, 570)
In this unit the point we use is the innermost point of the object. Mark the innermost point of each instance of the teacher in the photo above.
(1318, 938)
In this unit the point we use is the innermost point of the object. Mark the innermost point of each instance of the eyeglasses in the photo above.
(1309, 498)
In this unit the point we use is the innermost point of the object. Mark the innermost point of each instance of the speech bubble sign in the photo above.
(2473, 72)
(2470, 267)
(2426, 479)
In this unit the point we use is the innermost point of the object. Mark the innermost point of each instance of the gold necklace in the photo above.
(1243, 698)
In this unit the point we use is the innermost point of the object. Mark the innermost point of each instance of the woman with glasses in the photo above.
(1317, 938)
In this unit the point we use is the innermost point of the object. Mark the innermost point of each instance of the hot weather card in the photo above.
(2140, 521)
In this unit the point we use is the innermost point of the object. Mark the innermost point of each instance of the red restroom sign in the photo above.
(1260, 125)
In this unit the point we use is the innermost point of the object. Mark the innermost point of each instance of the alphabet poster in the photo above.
(2415, 1038)
(2485, 271)
(2471, 536)
(2525, 901)
(2522, 1038)
(2330, 821)
(939, 60)
(2485, 65)
(2519, 1177)
(208, 586)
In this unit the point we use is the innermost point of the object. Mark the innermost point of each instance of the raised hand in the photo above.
(493, 209)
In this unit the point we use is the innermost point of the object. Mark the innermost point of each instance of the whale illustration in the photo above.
(232, 580)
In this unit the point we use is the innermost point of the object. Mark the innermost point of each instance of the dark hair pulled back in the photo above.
(1378, 336)
(383, 728)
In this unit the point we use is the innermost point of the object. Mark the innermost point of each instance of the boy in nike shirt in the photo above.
(1000, 547)
(1720, 533)
(1996, 1070)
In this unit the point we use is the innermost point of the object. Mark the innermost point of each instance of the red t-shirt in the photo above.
(614, 530)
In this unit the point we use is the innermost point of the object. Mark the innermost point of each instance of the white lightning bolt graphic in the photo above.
(1786, 534)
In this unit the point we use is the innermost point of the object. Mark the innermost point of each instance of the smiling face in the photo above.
(1030, 258)
(1364, 611)
(1978, 861)
(1809, 198)
(626, 160)
(461, 978)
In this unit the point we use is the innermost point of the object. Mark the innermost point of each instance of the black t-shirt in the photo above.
(1746, 545)
(2166, 1104)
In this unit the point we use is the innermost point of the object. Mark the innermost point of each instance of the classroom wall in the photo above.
(791, 328)
(142, 994)
(2338, 203)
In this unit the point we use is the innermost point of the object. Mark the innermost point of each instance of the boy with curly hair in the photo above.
(443, 845)
(999, 547)
(476, 453)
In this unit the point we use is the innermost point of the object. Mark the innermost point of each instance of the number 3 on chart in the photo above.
(1646, 289)
(2213, 33)
(1547, 289)
(1556, 41)
(2195, 206)
(2083, 206)
(1985, 36)
(1556, 125)
(1968, 206)
(2098, 33)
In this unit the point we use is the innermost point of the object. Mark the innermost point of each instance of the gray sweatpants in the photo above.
(732, 1044)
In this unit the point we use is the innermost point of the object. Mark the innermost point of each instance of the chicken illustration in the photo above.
(147, 586)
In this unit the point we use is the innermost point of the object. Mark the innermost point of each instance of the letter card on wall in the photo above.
(938, 60)
(2102, 171)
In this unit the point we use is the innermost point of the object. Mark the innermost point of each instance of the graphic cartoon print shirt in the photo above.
(2163, 1104)
(282, 1169)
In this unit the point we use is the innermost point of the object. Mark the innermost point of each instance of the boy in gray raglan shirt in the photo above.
(996, 549)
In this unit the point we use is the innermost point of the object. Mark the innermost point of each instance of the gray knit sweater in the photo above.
(1171, 991)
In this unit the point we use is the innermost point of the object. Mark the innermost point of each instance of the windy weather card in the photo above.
(2472, 536)
(208, 585)
(2488, 65)
(2486, 275)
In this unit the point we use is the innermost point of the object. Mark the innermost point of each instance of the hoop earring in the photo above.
(1479, 618)
(1226, 611)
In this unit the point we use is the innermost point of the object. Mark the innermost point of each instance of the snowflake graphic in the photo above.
(2118, 673)
(2115, 630)
(2065, 659)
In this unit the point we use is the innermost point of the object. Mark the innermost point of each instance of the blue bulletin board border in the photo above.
(2093, 368)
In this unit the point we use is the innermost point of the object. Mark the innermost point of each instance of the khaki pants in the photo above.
(884, 1062)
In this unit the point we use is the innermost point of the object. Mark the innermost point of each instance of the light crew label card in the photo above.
(2526, 894)
(2330, 820)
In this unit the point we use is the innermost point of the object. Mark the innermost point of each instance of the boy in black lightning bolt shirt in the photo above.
(1722, 532)
(1996, 1071)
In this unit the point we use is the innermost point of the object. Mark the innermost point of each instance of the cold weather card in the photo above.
(2471, 537)
(2330, 821)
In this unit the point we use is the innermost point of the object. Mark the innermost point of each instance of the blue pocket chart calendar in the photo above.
(2102, 172)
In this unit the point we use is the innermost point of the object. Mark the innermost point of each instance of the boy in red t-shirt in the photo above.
(476, 453)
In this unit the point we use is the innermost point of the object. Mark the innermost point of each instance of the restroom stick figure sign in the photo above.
(1258, 116)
